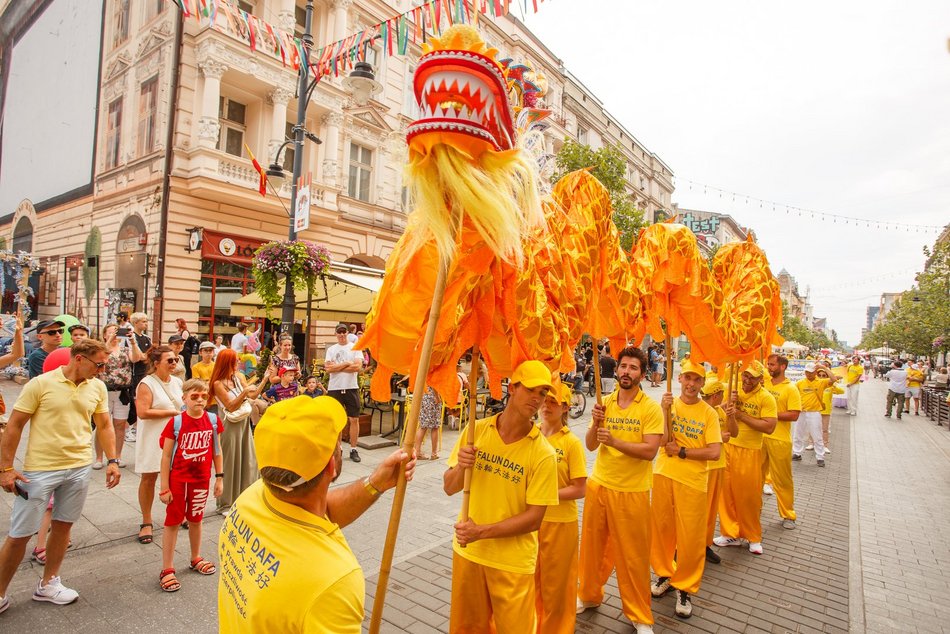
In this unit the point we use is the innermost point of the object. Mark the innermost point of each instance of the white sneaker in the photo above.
(722, 540)
(643, 628)
(54, 592)
(810, 448)
(4, 604)
(660, 587)
(684, 607)
(767, 489)
(583, 605)
(755, 548)
(827, 451)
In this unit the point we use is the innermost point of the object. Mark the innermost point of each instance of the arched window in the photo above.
(23, 235)
(130, 265)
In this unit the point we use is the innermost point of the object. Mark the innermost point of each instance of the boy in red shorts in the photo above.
(190, 446)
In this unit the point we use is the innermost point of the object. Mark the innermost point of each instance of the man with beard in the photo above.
(285, 565)
(740, 506)
(777, 446)
(514, 480)
(626, 432)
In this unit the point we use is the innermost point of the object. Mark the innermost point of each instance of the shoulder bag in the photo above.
(244, 409)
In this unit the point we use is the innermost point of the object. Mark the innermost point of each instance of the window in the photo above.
(372, 56)
(289, 151)
(246, 5)
(361, 170)
(222, 283)
(120, 22)
(148, 108)
(153, 8)
(582, 135)
(300, 21)
(114, 133)
(409, 106)
(231, 114)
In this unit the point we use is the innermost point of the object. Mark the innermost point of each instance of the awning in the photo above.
(349, 297)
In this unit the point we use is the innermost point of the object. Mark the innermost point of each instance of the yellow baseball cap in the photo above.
(688, 365)
(300, 435)
(532, 374)
(754, 368)
(712, 384)
(565, 394)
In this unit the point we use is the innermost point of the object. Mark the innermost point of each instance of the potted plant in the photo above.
(304, 261)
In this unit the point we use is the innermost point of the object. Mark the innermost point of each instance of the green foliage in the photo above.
(794, 330)
(302, 260)
(90, 273)
(264, 363)
(919, 321)
(609, 167)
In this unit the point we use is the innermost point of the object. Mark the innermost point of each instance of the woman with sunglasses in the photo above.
(118, 379)
(157, 399)
(230, 390)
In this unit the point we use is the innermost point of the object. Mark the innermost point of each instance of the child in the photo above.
(287, 388)
(189, 447)
(313, 388)
(202, 369)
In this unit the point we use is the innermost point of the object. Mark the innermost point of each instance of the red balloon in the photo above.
(57, 358)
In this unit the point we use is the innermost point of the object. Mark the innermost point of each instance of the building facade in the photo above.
(711, 229)
(174, 196)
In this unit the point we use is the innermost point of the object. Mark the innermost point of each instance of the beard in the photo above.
(627, 382)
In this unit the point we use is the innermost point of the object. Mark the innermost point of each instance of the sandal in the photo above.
(146, 539)
(39, 555)
(421, 456)
(434, 456)
(167, 580)
(202, 566)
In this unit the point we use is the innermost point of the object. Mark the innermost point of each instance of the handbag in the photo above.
(242, 412)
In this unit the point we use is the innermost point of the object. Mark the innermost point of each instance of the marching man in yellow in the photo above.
(556, 572)
(713, 392)
(777, 446)
(513, 483)
(626, 432)
(812, 389)
(679, 491)
(740, 506)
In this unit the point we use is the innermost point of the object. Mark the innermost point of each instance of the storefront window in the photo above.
(225, 277)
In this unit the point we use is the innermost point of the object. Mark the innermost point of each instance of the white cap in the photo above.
(810, 367)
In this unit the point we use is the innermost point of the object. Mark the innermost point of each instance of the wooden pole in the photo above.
(385, 566)
(596, 360)
(470, 430)
(667, 415)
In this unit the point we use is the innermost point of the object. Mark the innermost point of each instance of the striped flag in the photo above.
(262, 185)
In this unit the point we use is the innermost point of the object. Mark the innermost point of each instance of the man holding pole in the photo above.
(513, 482)
(740, 506)
(626, 432)
(678, 553)
(777, 446)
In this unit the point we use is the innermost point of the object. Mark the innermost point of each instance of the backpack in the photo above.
(191, 344)
(177, 426)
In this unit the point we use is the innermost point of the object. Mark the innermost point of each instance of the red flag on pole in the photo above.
(262, 185)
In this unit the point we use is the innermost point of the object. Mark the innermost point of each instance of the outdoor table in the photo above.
(401, 419)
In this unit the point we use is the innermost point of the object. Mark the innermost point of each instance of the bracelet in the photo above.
(219, 475)
(5, 469)
(160, 493)
(373, 491)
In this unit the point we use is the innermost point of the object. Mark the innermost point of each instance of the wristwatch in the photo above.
(373, 491)
(114, 461)
(682, 453)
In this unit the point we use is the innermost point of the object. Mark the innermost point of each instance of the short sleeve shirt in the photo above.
(506, 478)
(60, 433)
(694, 426)
(613, 468)
(914, 378)
(758, 404)
(571, 464)
(202, 370)
(897, 380)
(812, 393)
(279, 393)
(854, 373)
(197, 446)
(34, 362)
(787, 399)
(343, 354)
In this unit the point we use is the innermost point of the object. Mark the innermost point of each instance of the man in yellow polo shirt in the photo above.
(853, 384)
(740, 506)
(678, 554)
(713, 392)
(514, 480)
(812, 390)
(777, 446)
(915, 377)
(285, 565)
(626, 432)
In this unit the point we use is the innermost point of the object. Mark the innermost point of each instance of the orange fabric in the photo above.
(740, 504)
(616, 532)
(713, 493)
(555, 577)
(777, 466)
(486, 599)
(678, 549)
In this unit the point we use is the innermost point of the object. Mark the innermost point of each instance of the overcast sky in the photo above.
(842, 107)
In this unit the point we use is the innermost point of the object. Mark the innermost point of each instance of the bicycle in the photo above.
(578, 404)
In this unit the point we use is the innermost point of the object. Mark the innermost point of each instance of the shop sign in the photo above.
(221, 246)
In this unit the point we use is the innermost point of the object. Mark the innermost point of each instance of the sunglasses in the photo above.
(99, 366)
(171, 361)
(52, 332)
(198, 396)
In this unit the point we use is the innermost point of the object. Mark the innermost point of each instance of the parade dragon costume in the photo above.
(530, 272)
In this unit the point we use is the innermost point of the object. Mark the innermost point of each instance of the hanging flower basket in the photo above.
(938, 343)
(306, 262)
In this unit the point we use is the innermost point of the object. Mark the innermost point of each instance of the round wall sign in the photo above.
(227, 247)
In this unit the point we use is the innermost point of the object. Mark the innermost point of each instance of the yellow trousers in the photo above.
(486, 599)
(713, 493)
(616, 533)
(679, 532)
(556, 577)
(777, 463)
(740, 503)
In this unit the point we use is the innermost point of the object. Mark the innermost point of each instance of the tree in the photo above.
(794, 330)
(609, 167)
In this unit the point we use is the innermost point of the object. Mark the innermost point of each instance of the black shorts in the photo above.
(349, 399)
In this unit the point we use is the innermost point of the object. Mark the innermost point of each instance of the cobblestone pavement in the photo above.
(867, 557)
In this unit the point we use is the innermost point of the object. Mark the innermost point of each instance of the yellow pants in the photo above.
(486, 599)
(556, 577)
(777, 463)
(616, 532)
(740, 504)
(713, 493)
(679, 532)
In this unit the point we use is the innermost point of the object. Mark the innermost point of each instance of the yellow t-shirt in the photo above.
(60, 410)
(914, 378)
(787, 399)
(854, 373)
(812, 393)
(826, 399)
(758, 404)
(283, 569)
(506, 478)
(614, 469)
(694, 427)
(571, 464)
(202, 371)
(719, 463)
